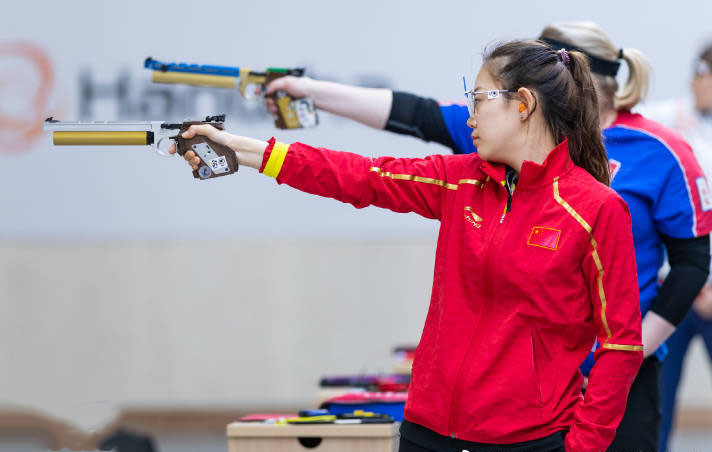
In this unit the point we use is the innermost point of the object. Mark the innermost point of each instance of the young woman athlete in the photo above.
(497, 366)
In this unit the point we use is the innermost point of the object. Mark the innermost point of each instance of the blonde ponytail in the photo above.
(636, 87)
(592, 40)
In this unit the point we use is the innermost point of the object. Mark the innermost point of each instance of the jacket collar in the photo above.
(557, 163)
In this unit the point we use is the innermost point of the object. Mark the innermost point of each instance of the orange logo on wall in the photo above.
(26, 80)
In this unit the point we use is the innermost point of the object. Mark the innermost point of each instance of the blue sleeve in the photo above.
(455, 117)
(673, 209)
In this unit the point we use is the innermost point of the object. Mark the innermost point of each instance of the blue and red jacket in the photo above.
(519, 294)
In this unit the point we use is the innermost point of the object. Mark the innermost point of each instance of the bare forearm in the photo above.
(249, 151)
(369, 106)
(655, 330)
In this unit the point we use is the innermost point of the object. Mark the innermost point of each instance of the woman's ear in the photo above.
(527, 103)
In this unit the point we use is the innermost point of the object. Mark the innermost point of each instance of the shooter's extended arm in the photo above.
(248, 82)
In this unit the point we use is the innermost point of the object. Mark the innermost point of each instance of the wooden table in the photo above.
(254, 437)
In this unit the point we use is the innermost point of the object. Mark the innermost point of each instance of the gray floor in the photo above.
(691, 441)
(191, 444)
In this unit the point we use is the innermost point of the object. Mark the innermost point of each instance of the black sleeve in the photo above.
(689, 266)
(419, 117)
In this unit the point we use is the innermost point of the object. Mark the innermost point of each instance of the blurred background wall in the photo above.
(124, 282)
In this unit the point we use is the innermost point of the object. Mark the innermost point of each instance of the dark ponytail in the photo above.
(565, 93)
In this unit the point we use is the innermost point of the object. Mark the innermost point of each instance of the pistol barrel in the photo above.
(102, 133)
(105, 138)
(219, 81)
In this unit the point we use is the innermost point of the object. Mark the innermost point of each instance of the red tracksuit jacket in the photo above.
(518, 297)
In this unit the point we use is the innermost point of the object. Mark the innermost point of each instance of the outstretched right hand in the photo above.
(296, 87)
(248, 150)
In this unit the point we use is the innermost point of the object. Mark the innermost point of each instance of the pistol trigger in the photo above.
(164, 144)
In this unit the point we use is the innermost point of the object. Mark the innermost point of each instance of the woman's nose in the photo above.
(471, 123)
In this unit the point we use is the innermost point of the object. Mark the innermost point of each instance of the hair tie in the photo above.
(564, 56)
(702, 67)
(620, 53)
(598, 65)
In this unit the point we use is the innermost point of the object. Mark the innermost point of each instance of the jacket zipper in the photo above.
(510, 183)
(456, 397)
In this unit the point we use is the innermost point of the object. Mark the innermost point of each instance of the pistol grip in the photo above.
(294, 113)
(216, 160)
(291, 113)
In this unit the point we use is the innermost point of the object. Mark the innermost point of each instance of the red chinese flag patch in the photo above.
(544, 237)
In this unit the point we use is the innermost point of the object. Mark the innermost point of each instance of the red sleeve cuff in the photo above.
(268, 152)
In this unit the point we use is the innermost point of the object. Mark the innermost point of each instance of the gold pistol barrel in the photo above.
(218, 81)
(103, 138)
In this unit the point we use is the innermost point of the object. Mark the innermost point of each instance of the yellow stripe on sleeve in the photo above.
(276, 160)
(414, 178)
(627, 348)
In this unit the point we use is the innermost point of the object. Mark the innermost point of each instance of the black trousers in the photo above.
(638, 430)
(416, 438)
(408, 446)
